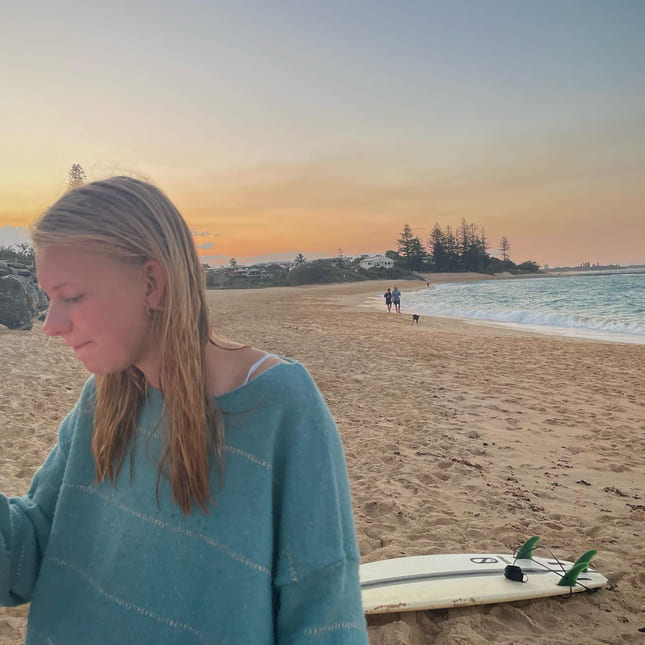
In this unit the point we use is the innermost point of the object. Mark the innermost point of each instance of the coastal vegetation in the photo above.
(300, 271)
(22, 252)
(465, 249)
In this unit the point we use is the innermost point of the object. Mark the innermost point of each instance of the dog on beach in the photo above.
(415, 319)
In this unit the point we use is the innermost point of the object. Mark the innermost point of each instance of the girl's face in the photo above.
(98, 307)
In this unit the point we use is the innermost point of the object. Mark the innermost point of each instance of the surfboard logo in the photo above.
(484, 560)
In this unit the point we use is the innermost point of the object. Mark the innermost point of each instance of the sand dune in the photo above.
(458, 438)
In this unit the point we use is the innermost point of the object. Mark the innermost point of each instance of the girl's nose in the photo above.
(57, 321)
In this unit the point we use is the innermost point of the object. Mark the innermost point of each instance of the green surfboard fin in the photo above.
(570, 578)
(526, 551)
(586, 558)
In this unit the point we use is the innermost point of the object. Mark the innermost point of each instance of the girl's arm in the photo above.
(317, 591)
(24, 531)
(25, 522)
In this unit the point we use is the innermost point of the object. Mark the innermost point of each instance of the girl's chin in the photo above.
(101, 369)
(102, 365)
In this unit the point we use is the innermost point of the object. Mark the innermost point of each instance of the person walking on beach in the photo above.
(396, 299)
(198, 491)
(388, 300)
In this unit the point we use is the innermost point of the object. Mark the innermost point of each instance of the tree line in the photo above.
(464, 249)
(22, 252)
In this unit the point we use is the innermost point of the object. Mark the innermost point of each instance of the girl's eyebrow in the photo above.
(60, 285)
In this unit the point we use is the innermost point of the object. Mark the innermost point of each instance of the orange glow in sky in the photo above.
(314, 127)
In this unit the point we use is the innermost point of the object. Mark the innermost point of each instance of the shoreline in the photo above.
(373, 302)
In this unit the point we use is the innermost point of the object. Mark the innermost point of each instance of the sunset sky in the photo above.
(301, 126)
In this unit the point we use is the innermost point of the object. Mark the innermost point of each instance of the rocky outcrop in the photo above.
(20, 297)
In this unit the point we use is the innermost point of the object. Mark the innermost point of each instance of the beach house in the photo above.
(376, 261)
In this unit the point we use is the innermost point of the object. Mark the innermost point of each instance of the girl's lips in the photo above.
(77, 347)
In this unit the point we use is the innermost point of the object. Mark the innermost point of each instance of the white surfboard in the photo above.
(462, 579)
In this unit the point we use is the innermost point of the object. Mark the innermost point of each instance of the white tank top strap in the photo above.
(256, 365)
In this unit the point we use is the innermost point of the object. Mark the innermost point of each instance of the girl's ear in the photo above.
(154, 280)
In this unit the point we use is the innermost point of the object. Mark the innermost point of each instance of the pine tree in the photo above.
(484, 242)
(76, 176)
(505, 248)
(437, 247)
(464, 237)
(405, 241)
(418, 254)
(411, 249)
(451, 249)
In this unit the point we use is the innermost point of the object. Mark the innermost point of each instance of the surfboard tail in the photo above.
(570, 578)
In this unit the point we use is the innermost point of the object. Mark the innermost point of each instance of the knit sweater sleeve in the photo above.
(25, 522)
(317, 559)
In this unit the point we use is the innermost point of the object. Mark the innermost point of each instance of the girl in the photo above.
(198, 490)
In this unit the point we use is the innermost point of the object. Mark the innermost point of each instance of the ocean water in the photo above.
(607, 307)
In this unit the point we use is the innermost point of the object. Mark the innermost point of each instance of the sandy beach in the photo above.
(458, 437)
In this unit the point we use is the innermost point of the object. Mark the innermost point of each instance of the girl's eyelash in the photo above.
(73, 300)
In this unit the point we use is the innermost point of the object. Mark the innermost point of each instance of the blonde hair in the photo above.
(134, 221)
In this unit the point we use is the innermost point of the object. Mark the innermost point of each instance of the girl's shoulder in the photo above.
(231, 367)
(284, 384)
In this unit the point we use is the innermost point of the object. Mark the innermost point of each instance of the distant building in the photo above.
(240, 270)
(254, 272)
(375, 261)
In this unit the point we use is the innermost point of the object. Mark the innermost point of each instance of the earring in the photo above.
(149, 311)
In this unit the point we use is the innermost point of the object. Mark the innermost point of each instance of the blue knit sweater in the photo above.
(274, 561)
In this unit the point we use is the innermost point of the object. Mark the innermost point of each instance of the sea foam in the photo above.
(603, 306)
